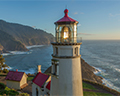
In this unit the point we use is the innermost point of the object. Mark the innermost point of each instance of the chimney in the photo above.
(16, 70)
(39, 68)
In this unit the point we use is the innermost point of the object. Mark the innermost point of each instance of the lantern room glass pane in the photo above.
(66, 34)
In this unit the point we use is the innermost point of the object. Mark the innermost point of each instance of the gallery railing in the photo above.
(68, 40)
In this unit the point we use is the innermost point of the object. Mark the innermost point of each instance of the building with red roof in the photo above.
(39, 84)
(16, 80)
(48, 85)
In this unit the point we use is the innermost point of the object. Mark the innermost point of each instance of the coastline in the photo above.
(94, 70)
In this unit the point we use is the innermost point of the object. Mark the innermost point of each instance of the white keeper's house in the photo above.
(16, 80)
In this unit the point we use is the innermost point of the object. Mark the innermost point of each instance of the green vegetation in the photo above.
(30, 78)
(2, 86)
(23, 94)
(3, 65)
(88, 86)
(95, 94)
(10, 92)
(103, 87)
(92, 91)
(6, 90)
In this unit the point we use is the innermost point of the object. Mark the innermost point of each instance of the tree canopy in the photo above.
(2, 63)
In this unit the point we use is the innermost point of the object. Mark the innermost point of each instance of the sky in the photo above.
(98, 19)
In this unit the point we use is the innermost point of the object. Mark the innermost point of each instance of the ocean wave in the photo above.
(16, 53)
(19, 52)
(118, 70)
(30, 70)
(6, 54)
(9, 68)
(115, 67)
(29, 47)
(99, 70)
(109, 84)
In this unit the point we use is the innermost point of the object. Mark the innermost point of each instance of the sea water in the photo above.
(105, 56)
(102, 54)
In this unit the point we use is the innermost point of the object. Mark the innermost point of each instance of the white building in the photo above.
(66, 76)
(41, 84)
(16, 80)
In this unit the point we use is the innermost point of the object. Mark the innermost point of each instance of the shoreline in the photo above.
(104, 80)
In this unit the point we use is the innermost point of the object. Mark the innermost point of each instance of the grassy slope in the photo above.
(96, 94)
(92, 92)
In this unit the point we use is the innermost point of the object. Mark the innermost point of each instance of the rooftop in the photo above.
(14, 75)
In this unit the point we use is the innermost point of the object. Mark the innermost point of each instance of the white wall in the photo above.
(66, 50)
(46, 90)
(13, 84)
(23, 80)
(54, 88)
(70, 78)
(40, 92)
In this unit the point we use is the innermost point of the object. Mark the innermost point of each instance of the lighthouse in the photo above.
(66, 76)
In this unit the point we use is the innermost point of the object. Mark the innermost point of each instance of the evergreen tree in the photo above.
(2, 63)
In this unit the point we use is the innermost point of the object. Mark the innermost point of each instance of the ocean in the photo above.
(104, 55)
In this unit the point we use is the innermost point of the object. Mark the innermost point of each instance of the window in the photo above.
(76, 51)
(56, 50)
(36, 92)
(55, 67)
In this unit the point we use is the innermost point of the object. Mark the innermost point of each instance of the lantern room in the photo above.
(66, 29)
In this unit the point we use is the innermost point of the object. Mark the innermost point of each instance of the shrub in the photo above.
(5, 71)
(2, 86)
(7, 89)
(9, 92)
(30, 74)
(13, 92)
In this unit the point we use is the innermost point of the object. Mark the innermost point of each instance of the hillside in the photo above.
(25, 34)
(7, 42)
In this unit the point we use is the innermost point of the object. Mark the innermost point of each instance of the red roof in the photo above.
(48, 85)
(66, 18)
(40, 79)
(14, 75)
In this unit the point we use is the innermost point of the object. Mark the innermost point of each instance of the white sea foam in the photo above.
(99, 70)
(106, 82)
(16, 52)
(29, 47)
(109, 84)
(9, 68)
(117, 69)
(19, 52)
(6, 54)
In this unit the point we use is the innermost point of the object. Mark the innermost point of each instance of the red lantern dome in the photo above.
(66, 18)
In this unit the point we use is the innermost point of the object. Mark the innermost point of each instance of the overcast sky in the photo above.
(98, 19)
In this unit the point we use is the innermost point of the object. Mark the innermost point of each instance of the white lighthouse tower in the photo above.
(66, 78)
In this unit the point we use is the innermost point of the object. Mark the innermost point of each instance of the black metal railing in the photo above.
(68, 40)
